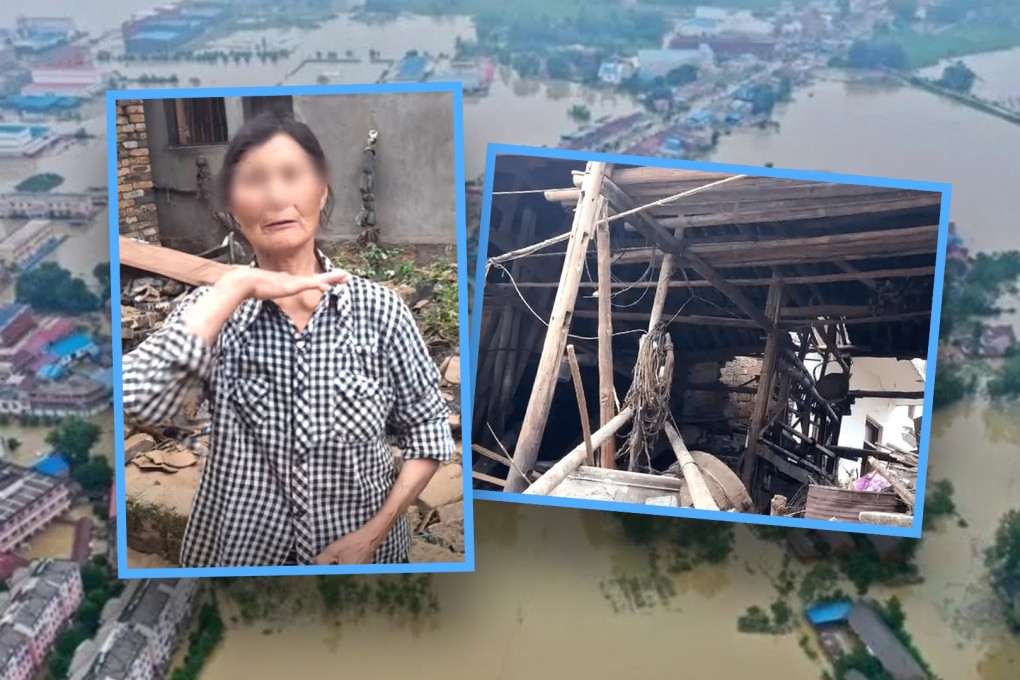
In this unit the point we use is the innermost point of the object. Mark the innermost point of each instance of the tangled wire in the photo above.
(649, 395)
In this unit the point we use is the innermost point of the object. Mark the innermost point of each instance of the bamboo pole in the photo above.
(528, 250)
(582, 405)
(701, 496)
(533, 427)
(607, 389)
(764, 397)
(575, 458)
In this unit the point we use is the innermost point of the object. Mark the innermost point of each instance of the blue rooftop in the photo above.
(829, 612)
(41, 102)
(51, 372)
(52, 465)
(157, 36)
(70, 345)
(411, 67)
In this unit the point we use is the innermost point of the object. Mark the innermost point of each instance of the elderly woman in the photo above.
(306, 370)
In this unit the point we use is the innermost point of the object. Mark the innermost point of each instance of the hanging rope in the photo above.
(366, 218)
(649, 394)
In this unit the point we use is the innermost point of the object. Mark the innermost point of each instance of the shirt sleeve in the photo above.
(169, 366)
(420, 418)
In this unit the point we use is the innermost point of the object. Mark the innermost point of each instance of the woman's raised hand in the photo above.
(269, 285)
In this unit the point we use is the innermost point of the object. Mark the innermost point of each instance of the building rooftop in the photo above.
(148, 603)
(70, 345)
(118, 654)
(829, 612)
(11, 642)
(52, 465)
(883, 643)
(8, 313)
(21, 487)
(157, 36)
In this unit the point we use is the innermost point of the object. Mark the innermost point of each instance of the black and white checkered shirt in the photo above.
(299, 448)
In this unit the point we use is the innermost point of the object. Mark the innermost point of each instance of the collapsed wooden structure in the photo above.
(708, 268)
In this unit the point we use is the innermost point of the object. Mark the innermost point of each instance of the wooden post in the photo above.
(582, 405)
(700, 493)
(575, 458)
(607, 389)
(533, 427)
(764, 396)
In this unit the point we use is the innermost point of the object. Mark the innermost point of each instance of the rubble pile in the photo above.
(145, 303)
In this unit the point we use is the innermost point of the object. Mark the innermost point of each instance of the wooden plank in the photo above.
(575, 457)
(537, 414)
(482, 477)
(173, 264)
(776, 212)
(845, 505)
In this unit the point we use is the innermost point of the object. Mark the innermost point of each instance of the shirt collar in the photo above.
(338, 293)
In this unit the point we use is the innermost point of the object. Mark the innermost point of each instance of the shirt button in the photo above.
(299, 513)
(300, 344)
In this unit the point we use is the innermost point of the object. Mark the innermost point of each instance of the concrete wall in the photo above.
(415, 189)
(892, 415)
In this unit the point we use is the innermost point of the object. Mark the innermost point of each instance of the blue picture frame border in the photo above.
(945, 189)
(455, 89)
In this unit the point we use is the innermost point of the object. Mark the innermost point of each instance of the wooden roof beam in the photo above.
(656, 233)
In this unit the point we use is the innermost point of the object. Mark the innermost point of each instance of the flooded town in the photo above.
(800, 85)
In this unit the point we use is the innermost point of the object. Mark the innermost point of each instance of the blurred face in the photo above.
(277, 195)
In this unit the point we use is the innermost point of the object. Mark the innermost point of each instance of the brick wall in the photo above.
(737, 372)
(136, 203)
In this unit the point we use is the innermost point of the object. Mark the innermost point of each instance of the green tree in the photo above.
(1002, 559)
(94, 476)
(558, 66)
(1006, 382)
(51, 288)
(958, 77)
(682, 75)
(101, 272)
(75, 437)
(13, 444)
(951, 386)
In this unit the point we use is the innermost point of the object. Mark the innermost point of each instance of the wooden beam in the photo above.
(537, 414)
(607, 388)
(701, 496)
(173, 264)
(701, 283)
(658, 235)
(582, 404)
(575, 457)
(777, 213)
(763, 399)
